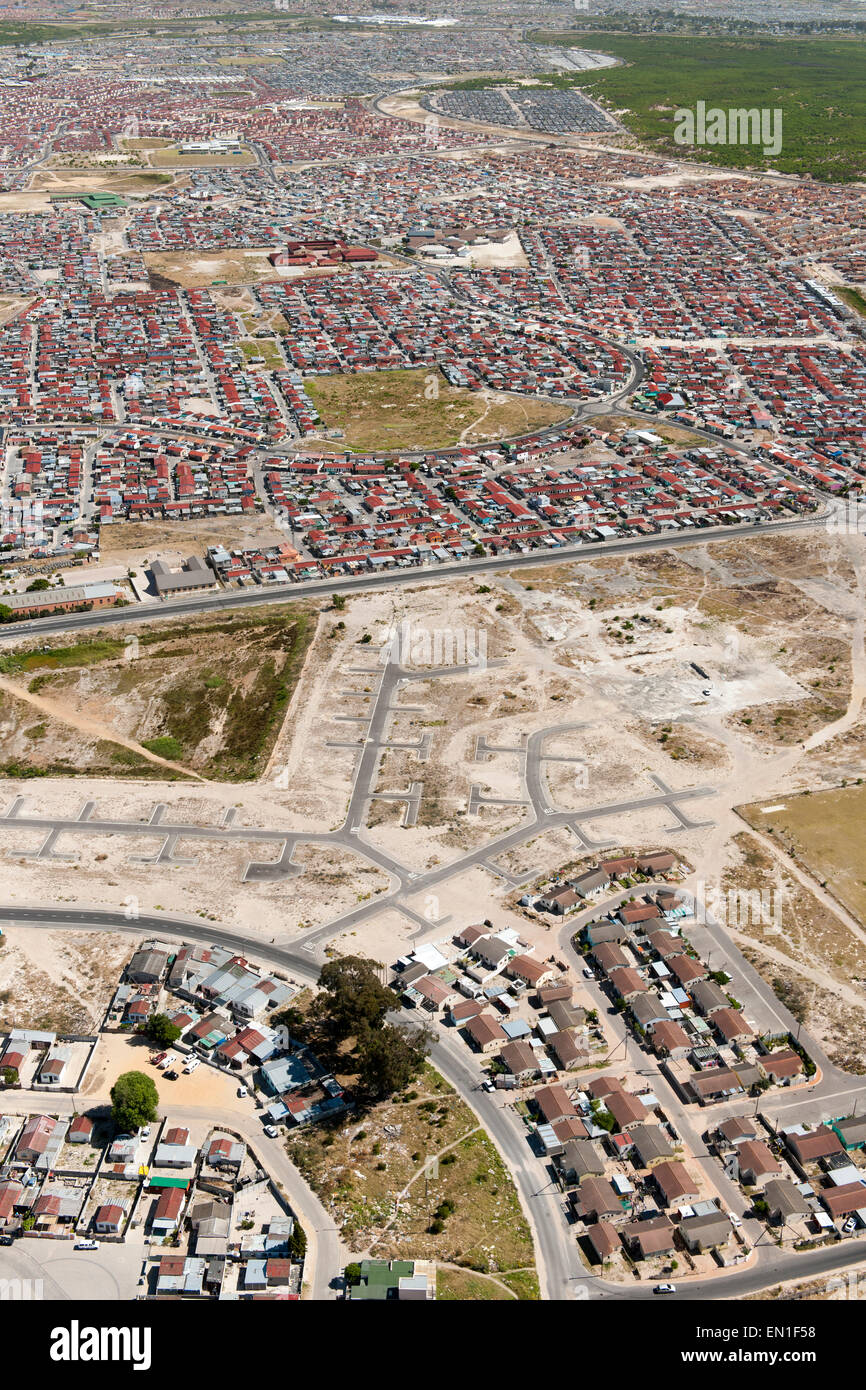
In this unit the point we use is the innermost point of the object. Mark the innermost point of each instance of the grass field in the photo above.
(456, 1286)
(96, 181)
(208, 694)
(391, 410)
(172, 158)
(266, 348)
(826, 832)
(359, 1168)
(853, 298)
(818, 84)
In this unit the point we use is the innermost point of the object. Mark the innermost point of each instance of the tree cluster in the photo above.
(351, 1017)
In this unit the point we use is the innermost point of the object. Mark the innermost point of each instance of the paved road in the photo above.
(105, 1275)
(561, 1270)
(321, 588)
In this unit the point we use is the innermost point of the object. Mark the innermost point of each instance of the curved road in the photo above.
(561, 1271)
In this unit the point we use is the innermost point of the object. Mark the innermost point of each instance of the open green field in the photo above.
(209, 695)
(266, 348)
(853, 298)
(417, 409)
(826, 833)
(464, 1210)
(817, 83)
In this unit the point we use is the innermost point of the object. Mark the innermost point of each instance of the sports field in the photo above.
(826, 832)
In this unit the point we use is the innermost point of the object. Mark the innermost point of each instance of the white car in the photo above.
(272, 1132)
(242, 1091)
(734, 1219)
(191, 1065)
(86, 1245)
(665, 1288)
(167, 1062)
(850, 1225)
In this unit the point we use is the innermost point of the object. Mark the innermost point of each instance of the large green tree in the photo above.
(160, 1029)
(389, 1058)
(134, 1099)
(352, 997)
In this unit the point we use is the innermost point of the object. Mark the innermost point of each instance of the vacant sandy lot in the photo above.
(606, 645)
(193, 269)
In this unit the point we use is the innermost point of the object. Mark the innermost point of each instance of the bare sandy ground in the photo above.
(607, 645)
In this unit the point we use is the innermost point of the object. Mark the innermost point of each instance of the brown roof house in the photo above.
(603, 1239)
(731, 1026)
(532, 972)
(675, 1183)
(783, 1066)
(567, 1051)
(554, 1103)
(485, 1032)
(520, 1060)
(626, 1109)
(595, 1199)
(686, 969)
(653, 1237)
(628, 983)
(669, 1039)
(809, 1148)
(757, 1163)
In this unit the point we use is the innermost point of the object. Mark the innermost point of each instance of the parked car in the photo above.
(171, 1076)
(271, 1131)
(191, 1065)
(86, 1245)
(5, 1240)
(488, 1085)
(665, 1288)
(850, 1225)
(242, 1091)
(159, 1059)
(734, 1219)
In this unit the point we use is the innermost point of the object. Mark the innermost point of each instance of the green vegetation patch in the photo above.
(817, 83)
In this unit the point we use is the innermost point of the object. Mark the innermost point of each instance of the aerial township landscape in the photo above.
(432, 652)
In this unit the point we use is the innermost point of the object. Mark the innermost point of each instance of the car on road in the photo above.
(5, 1239)
(242, 1091)
(171, 1076)
(272, 1132)
(734, 1219)
(587, 973)
(665, 1288)
(86, 1245)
